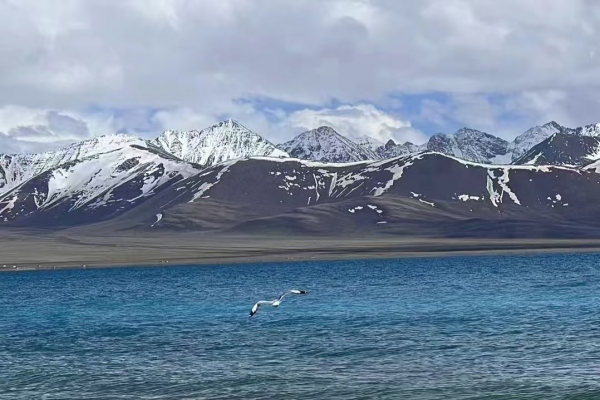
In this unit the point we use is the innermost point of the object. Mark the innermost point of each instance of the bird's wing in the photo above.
(258, 304)
(283, 295)
(298, 291)
(292, 291)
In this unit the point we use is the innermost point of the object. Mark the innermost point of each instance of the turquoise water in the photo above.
(519, 327)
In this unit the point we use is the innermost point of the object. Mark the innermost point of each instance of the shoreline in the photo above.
(61, 253)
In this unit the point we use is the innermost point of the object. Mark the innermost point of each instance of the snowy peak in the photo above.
(368, 142)
(469, 144)
(563, 149)
(587, 130)
(94, 187)
(530, 138)
(391, 149)
(325, 144)
(224, 141)
(15, 169)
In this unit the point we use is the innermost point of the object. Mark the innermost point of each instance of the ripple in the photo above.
(457, 328)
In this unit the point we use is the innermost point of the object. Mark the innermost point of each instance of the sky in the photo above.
(390, 69)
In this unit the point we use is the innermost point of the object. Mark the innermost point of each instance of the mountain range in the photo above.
(545, 183)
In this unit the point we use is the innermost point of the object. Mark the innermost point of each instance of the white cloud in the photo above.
(356, 121)
(183, 119)
(505, 116)
(195, 59)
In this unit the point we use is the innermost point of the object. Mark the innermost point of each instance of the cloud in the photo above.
(356, 121)
(166, 52)
(193, 61)
(26, 130)
(505, 116)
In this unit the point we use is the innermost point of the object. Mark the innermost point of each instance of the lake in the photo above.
(510, 327)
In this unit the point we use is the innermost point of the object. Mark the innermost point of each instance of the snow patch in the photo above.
(465, 197)
(206, 185)
(396, 171)
(494, 196)
(158, 218)
(503, 181)
(10, 204)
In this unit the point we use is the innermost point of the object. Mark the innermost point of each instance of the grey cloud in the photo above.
(206, 54)
(66, 125)
(54, 130)
(28, 133)
(302, 50)
(11, 145)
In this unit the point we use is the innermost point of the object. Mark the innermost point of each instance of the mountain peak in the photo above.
(228, 123)
(471, 131)
(531, 137)
(552, 124)
(563, 149)
(325, 130)
(469, 144)
(325, 144)
(223, 141)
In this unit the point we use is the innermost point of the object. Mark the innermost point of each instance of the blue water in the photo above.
(518, 327)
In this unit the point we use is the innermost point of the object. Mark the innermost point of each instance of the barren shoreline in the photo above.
(52, 251)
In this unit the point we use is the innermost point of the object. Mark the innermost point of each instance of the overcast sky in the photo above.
(402, 69)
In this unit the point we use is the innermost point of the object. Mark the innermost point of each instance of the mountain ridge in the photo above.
(125, 182)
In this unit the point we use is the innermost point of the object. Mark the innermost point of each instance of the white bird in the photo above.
(276, 302)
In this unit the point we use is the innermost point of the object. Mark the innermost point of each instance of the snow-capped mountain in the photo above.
(415, 192)
(300, 182)
(528, 139)
(105, 182)
(587, 130)
(367, 142)
(563, 149)
(224, 141)
(410, 193)
(469, 145)
(392, 149)
(325, 144)
(227, 177)
(17, 168)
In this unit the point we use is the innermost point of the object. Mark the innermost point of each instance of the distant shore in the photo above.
(23, 252)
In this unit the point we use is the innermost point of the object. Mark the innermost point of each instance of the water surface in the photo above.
(515, 327)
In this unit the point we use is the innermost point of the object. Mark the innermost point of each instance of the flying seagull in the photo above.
(276, 302)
